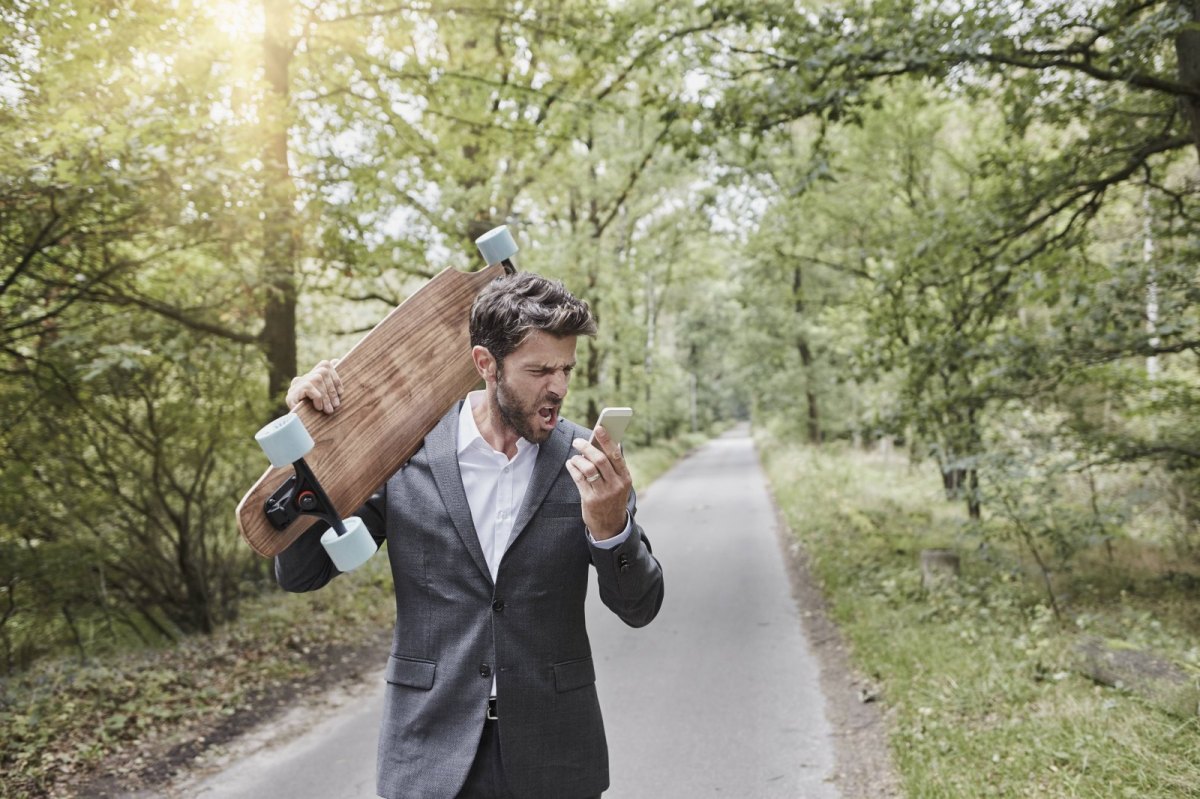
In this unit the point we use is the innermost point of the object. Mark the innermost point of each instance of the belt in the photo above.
(492, 715)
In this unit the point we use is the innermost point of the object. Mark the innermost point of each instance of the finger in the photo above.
(299, 392)
(578, 477)
(321, 387)
(592, 454)
(327, 370)
(588, 469)
(330, 389)
(295, 393)
(318, 398)
(612, 451)
(596, 456)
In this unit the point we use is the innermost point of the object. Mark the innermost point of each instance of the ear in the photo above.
(485, 364)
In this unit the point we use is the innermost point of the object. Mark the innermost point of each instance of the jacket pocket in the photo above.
(411, 672)
(574, 674)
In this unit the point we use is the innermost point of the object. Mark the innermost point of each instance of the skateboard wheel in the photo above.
(496, 245)
(351, 550)
(285, 440)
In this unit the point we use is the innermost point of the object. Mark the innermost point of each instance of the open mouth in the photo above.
(549, 414)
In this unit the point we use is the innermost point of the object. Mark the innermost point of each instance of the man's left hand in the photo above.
(603, 480)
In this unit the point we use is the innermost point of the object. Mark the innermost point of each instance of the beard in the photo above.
(525, 417)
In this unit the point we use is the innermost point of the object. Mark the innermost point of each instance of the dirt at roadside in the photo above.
(142, 770)
(864, 767)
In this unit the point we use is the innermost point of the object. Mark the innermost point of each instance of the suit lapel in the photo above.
(442, 447)
(551, 457)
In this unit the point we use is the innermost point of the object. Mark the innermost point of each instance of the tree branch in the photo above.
(1028, 60)
(599, 227)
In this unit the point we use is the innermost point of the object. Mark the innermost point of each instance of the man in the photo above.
(491, 528)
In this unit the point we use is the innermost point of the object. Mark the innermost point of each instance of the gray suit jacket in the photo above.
(455, 628)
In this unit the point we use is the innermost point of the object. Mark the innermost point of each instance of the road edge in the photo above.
(862, 751)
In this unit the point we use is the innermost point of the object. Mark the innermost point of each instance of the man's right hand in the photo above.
(322, 385)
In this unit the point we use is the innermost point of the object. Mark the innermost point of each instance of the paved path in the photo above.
(719, 697)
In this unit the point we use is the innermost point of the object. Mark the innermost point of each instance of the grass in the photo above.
(64, 722)
(980, 680)
(129, 718)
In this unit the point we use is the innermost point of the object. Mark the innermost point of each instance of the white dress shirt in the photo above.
(495, 486)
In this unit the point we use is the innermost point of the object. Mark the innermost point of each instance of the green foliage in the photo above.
(1003, 191)
(124, 316)
(979, 676)
(118, 511)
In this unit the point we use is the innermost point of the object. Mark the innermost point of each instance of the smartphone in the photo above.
(615, 421)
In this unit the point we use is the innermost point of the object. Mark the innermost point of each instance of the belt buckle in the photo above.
(492, 715)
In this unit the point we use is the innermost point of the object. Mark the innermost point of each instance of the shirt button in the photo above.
(485, 670)
(498, 605)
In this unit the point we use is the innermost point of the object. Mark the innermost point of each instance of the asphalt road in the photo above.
(719, 697)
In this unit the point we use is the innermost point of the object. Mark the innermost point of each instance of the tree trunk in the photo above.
(962, 483)
(806, 358)
(1144, 673)
(952, 481)
(279, 214)
(75, 636)
(974, 508)
(810, 396)
(1151, 284)
(591, 361)
(1187, 49)
(197, 604)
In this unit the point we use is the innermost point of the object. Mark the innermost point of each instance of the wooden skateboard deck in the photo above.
(398, 381)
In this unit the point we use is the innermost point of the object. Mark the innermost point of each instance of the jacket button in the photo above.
(485, 670)
(498, 605)
(623, 562)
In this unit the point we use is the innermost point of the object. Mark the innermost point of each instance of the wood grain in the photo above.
(398, 381)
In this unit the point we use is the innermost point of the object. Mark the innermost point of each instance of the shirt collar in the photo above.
(468, 431)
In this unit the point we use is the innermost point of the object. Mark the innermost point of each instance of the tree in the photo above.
(121, 244)
(1096, 107)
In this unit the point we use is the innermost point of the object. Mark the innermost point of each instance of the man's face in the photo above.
(531, 384)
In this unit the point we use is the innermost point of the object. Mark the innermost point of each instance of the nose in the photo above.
(558, 384)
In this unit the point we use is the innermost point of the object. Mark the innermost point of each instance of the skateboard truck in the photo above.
(286, 441)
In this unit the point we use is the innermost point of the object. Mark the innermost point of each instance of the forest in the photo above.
(962, 230)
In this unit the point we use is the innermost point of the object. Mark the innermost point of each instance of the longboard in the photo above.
(398, 381)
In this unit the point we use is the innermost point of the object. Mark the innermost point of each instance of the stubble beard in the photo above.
(517, 416)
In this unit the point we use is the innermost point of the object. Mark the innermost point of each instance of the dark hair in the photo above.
(512, 307)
